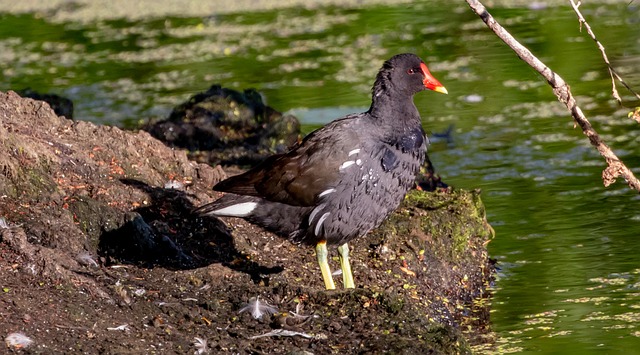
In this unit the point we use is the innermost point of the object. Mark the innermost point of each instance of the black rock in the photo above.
(224, 126)
(60, 105)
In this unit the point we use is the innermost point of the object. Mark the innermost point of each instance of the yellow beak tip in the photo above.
(441, 89)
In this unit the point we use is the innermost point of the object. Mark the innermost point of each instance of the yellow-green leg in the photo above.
(321, 252)
(347, 276)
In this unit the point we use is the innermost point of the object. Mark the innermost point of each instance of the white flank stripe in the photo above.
(355, 151)
(240, 210)
(319, 224)
(326, 192)
(315, 212)
(346, 164)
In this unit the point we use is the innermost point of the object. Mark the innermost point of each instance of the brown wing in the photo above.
(297, 177)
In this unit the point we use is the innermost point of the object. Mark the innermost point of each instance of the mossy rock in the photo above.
(224, 126)
(438, 243)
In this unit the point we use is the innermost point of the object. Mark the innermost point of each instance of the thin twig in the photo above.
(612, 72)
(615, 167)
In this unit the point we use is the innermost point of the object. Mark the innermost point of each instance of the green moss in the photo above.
(392, 302)
(28, 182)
(435, 246)
(25, 169)
(451, 218)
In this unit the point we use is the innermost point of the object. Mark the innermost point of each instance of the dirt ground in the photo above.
(99, 254)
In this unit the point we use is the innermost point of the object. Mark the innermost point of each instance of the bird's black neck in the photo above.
(392, 109)
(387, 103)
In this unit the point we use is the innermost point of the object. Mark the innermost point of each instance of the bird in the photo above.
(342, 180)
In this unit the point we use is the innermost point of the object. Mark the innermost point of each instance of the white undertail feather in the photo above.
(238, 210)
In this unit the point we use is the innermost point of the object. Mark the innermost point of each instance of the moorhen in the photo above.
(343, 179)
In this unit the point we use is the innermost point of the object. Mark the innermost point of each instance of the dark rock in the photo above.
(224, 126)
(60, 105)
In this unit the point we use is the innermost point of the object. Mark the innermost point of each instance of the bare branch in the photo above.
(612, 72)
(615, 167)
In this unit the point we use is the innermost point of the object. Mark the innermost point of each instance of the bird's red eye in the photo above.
(411, 71)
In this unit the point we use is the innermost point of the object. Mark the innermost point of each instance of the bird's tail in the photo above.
(229, 205)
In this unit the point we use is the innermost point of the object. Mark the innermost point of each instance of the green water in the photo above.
(568, 248)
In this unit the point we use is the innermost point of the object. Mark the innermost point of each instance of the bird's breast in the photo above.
(413, 140)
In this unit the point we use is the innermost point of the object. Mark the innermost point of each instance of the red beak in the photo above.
(430, 82)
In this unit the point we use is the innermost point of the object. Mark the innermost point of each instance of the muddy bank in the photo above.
(99, 253)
